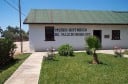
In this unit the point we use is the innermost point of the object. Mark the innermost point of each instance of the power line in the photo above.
(12, 6)
(14, 2)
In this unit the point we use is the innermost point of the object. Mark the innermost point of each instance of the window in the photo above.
(115, 34)
(49, 34)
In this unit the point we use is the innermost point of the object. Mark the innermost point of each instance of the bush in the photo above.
(88, 51)
(7, 50)
(66, 50)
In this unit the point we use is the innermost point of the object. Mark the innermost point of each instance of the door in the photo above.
(98, 33)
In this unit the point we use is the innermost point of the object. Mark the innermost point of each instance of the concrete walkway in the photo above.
(110, 52)
(29, 71)
(106, 52)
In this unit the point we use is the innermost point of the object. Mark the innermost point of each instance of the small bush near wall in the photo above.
(7, 50)
(65, 50)
(88, 51)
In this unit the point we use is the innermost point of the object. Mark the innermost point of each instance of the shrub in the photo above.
(88, 51)
(50, 53)
(7, 50)
(66, 50)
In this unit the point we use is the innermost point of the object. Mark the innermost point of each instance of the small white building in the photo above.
(53, 28)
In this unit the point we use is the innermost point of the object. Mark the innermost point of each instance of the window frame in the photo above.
(116, 35)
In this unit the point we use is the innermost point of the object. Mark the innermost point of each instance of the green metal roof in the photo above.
(76, 16)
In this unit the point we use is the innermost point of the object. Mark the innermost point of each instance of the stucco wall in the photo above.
(38, 43)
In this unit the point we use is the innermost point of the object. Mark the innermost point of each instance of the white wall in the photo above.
(38, 43)
(109, 43)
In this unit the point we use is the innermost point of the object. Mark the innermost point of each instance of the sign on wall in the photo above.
(71, 32)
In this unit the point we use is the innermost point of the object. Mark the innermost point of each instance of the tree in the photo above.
(93, 43)
(14, 33)
(1, 31)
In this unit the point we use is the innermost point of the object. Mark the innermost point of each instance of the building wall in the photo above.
(38, 43)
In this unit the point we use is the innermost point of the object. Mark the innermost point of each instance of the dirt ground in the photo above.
(26, 48)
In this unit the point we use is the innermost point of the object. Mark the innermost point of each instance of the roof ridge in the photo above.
(83, 10)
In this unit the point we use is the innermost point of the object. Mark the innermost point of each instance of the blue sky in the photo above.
(9, 16)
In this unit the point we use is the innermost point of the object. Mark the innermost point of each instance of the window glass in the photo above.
(49, 33)
(115, 34)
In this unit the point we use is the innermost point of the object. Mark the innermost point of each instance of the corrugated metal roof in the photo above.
(76, 16)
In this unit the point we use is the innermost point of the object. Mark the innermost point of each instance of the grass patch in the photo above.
(77, 70)
(7, 71)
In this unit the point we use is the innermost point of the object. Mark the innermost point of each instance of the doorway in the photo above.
(98, 33)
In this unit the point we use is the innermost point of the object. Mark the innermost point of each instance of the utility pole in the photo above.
(21, 40)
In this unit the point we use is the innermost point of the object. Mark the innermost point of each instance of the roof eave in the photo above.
(80, 23)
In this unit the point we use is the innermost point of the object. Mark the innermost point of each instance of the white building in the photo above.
(53, 28)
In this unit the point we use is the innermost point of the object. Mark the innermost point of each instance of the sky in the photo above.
(9, 13)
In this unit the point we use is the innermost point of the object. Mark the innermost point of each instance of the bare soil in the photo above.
(26, 48)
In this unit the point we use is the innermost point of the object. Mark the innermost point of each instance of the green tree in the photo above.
(14, 33)
(1, 31)
(8, 34)
(93, 43)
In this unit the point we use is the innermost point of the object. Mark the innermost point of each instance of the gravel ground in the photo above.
(26, 48)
